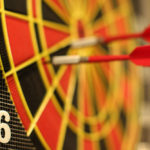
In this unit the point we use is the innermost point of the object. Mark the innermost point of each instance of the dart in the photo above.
(145, 35)
(140, 56)
(90, 41)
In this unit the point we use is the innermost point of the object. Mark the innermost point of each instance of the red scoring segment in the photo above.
(18, 102)
(57, 36)
(88, 144)
(102, 31)
(20, 39)
(51, 128)
(34, 8)
(64, 82)
(114, 135)
(49, 76)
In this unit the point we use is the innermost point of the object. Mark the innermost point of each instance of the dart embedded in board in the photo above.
(91, 41)
(139, 56)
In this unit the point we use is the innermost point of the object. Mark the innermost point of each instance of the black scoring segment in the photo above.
(94, 103)
(126, 64)
(49, 14)
(38, 37)
(62, 51)
(105, 47)
(36, 141)
(137, 8)
(32, 86)
(59, 99)
(98, 15)
(93, 99)
(103, 78)
(87, 128)
(102, 144)
(70, 142)
(123, 119)
(18, 6)
(114, 3)
(3, 52)
(75, 96)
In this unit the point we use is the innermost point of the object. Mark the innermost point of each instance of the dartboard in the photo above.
(83, 106)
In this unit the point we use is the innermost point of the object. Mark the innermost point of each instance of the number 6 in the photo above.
(3, 126)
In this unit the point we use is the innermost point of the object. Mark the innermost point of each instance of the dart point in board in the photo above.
(140, 56)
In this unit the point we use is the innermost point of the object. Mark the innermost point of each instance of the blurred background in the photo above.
(142, 9)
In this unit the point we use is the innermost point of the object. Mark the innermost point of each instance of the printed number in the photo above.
(5, 132)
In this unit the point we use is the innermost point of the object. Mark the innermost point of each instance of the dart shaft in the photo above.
(121, 37)
(108, 58)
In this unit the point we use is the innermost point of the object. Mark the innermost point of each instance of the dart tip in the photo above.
(48, 62)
